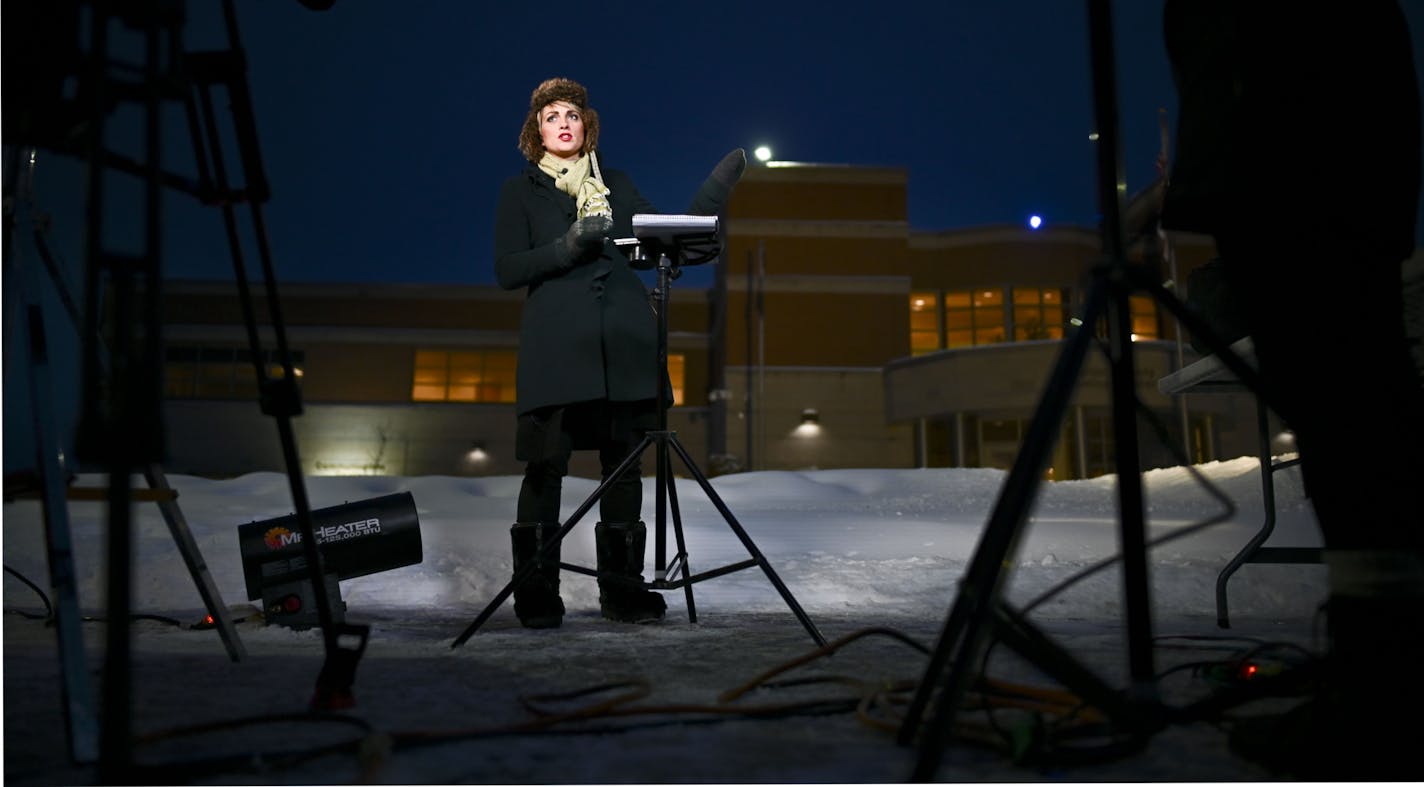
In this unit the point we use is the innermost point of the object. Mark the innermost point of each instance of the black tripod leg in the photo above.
(518, 579)
(748, 543)
(1017, 633)
(1118, 282)
(80, 712)
(503, 595)
(80, 708)
(278, 397)
(193, 559)
(671, 482)
(961, 641)
(548, 548)
(1127, 464)
(663, 476)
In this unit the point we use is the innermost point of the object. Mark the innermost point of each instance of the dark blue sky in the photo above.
(387, 127)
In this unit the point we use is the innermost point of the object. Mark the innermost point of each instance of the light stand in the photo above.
(120, 426)
(278, 396)
(1138, 711)
(669, 239)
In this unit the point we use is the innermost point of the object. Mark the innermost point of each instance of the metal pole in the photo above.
(761, 348)
(748, 407)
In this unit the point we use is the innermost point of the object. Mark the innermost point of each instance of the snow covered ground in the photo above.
(873, 557)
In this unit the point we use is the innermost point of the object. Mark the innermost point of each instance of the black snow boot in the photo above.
(536, 600)
(621, 595)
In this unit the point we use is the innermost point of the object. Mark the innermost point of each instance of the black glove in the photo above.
(711, 197)
(584, 240)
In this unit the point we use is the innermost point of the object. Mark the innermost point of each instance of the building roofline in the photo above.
(811, 172)
(399, 290)
(1004, 233)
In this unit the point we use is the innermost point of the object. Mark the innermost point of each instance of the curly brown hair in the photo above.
(549, 91)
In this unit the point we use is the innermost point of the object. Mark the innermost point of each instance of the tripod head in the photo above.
(681, 239)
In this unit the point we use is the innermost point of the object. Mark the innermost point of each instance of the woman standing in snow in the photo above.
(587, 376)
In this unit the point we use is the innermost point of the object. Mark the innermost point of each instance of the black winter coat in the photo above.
(588, 331)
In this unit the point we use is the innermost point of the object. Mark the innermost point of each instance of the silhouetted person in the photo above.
(1298, 149)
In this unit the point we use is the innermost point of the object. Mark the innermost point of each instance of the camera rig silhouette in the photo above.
(978, 613)
(63, 83)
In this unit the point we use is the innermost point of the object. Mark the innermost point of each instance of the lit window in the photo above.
(1038, 313)
(973, 317)
(924, 322)
(1144, 317)
(488, 375)
(463, 376)
(677, 375)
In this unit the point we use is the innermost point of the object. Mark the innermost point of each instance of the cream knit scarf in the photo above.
(580, 180)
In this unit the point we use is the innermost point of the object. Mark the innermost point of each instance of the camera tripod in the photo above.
(670, 255)
(120, 427)
(1137, 711)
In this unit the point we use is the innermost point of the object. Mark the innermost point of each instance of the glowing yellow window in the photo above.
(1038, 314)
(1144, 317)
(430, 376)
(677, 375)
(924, 322)
(463, 376)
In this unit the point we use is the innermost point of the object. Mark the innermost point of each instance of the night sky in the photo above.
(387, 127)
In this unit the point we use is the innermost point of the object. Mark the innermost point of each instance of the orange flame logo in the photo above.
(277, 537)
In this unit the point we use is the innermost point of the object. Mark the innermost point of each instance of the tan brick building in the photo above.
(834, 336)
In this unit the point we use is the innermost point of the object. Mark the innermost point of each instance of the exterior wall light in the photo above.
(477, 452)
(810, 423)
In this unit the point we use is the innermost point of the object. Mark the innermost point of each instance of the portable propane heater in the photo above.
(355, 539)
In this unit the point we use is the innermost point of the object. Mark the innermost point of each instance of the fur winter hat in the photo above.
(549, 91)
